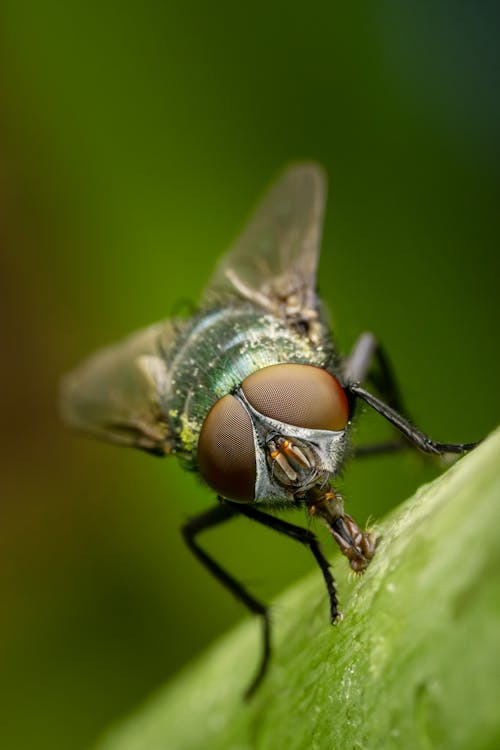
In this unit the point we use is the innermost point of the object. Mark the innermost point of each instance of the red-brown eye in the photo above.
(300, 395)
(226, 452)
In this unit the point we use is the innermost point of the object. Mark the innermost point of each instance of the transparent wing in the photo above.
(273, 263)
(119, 394)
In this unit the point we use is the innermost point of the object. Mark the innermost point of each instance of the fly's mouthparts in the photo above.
(357, 545)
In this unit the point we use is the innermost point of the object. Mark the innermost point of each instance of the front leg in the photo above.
(418, 438)
(304, 536)
(190, 530)
(368, 361)
(359, 367)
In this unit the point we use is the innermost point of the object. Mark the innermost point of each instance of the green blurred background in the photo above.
(135, 139)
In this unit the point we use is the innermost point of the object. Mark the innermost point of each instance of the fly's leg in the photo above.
(207, 520)
(418, 438)
(359, 368)
(305, 537)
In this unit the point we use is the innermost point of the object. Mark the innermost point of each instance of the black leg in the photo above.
(384, 380)
(202, 522)
(360, 367)
(413, 434)
(369, 361)
(305, 537)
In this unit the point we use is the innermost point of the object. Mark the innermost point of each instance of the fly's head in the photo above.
(281, 433)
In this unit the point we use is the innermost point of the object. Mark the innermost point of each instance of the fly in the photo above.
(251, 393)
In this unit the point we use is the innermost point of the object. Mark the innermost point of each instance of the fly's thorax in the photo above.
(218, 352)
(280, 433)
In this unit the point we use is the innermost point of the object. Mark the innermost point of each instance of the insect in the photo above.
(251, 393)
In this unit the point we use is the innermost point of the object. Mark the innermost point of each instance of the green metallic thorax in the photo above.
(215, 353)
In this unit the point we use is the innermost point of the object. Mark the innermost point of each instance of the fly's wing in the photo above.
(119, 394)
(273, 263)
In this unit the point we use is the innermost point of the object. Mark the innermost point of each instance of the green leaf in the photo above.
(414, 664)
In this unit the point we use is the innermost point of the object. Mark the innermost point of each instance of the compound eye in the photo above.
(226, 452)
(300, 395)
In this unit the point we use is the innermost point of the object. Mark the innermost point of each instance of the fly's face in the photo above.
(281, 433)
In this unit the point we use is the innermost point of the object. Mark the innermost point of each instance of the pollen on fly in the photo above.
(250, 391)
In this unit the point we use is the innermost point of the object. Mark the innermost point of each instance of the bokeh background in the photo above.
(135, 139)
